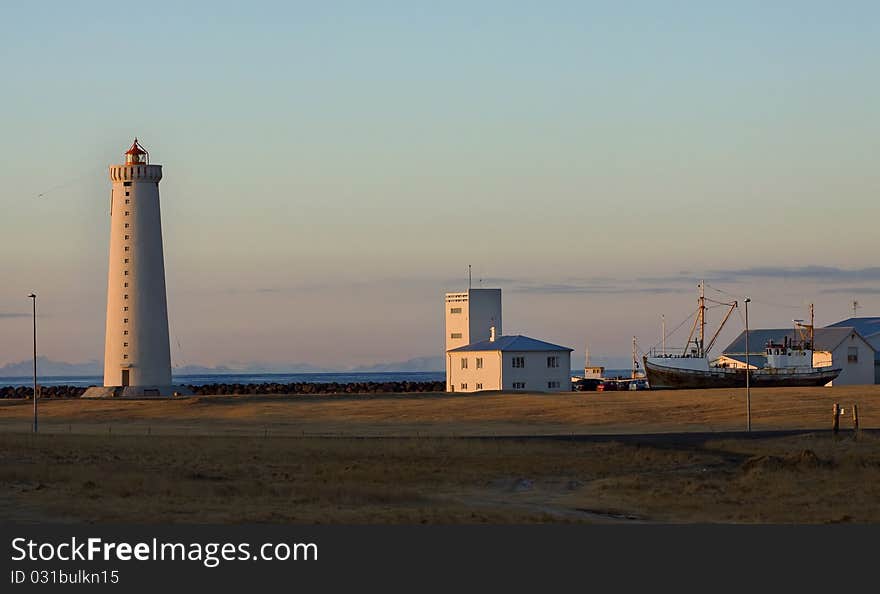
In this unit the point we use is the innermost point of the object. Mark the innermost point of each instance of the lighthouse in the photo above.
(137, 355)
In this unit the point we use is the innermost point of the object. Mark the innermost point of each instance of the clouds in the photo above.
(589, 288)
(852, 291)
(819, 273)
(4, 315)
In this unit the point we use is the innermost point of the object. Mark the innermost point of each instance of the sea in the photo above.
(262, 378)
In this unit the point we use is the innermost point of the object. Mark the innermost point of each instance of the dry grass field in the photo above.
(445, 415)
(586, 457)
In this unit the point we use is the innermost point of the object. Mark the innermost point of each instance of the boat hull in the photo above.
(663, 377)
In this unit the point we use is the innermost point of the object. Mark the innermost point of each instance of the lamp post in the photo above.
(34, 300)
(748, 373)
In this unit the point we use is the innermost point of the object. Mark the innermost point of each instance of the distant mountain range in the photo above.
(48, 367)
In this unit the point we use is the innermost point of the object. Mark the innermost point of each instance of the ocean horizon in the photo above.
(200, 379)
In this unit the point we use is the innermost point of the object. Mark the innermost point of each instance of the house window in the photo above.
(519, 385)
(519, 362)
(479, 386)
(455, 310)
(553, 362)
(552, 384)
(479, 362)
(852, 355)
(464, 362)
(464, 386)
(455, 335)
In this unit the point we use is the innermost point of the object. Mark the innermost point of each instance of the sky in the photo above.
(331, 169)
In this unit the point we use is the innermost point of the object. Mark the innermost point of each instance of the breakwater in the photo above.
(242, 389)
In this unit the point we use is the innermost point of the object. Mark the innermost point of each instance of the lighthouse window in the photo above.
(125, 356)
(125, 308)
(126, 260)
(126, 183)
(127, 201)
(125, 344)
(126, 273)
(126, 195)
(125, 332)
(127, 225)
(127, 248)
(127, 237)
(126, 212)
(125, 320)
(126, 285)
(125, 296)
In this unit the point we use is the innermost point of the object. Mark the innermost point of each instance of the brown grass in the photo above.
(804, 479)
(262, 459)
(447, 415)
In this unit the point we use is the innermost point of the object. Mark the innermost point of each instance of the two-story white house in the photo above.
(516, 363)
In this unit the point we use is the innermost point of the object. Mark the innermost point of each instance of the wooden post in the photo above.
(835, 423)
(855, 419)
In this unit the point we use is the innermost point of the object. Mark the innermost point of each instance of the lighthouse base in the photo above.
(136, 392)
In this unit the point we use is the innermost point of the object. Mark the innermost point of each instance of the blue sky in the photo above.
(331, 170)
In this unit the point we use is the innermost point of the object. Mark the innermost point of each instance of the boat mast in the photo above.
(812, 327)
(635, 363)
(663, 332)
(700, 352)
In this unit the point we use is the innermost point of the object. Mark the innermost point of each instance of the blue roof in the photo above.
(864, 326)
(517, 343)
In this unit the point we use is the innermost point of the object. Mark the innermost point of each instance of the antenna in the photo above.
(469, 277)
(855, 308)
(663, 332)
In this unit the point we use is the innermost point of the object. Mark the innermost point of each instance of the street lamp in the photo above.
(748, 373)
(34, 300)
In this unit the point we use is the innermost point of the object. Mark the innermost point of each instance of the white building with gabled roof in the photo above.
(517, 363)
(839, 347)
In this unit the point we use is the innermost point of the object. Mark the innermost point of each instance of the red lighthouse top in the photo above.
(137, 155)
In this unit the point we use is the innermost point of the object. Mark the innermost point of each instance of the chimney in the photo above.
(492, 334)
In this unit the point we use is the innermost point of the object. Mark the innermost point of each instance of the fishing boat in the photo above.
(789, 363)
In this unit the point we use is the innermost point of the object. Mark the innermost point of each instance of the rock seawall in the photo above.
(233, 389)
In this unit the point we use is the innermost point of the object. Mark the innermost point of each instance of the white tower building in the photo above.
(137, 355)
(470, 316)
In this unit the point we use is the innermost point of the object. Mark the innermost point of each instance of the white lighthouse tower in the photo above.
(137, 356)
